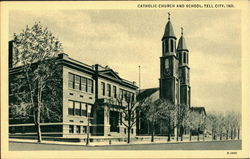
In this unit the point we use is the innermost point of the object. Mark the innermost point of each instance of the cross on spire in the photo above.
(182, 30)
(169, 15)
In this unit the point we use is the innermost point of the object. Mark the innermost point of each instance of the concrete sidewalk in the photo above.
(107, 143)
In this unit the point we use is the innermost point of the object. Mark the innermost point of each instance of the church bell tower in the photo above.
(169, 65)
(183, 54)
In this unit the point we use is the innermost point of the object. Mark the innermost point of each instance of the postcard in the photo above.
(124, 79)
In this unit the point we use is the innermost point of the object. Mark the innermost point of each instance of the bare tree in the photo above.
(232, 124)
(130, 106)
(36, 85)
(228, 118)
(199, 123)
(221, 120)
(236, 124)
(223, 123)
(150, 108)
(168, 112)
(205, 127)
(181, 116)
(213, 124)
(190, 122)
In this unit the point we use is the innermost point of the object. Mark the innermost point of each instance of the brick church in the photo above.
(174, 82)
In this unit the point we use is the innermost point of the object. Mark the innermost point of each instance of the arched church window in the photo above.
(167, 46)
(177, 91)
(166, 63)
(172, 45)
(185, 58)
(180, 58)
(163, 48)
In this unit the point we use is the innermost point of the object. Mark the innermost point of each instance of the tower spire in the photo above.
(182, 43)
(183, 54)
(169, 31)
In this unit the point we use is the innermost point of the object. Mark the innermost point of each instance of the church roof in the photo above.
(145, 93)
(182, 44)
(154, 94)
(169, 31)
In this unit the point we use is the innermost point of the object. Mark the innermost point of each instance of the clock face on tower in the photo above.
(167, 72)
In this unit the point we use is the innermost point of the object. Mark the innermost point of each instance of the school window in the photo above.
(114, 92)
(125, 130)
(90, 86)
(83, 109)
(71, 128)
(133, 96)
(80, 83)
(83, 84)
(125, 94)
(84, 128)
(77, 82)
(71, 108)
(103, 88)
(187, 58)
(132, 131)
(71, 80)
(89, 108)
(109, 90)
(78, 129)
(77, 109)
(120, 118)
(130, 95)
(120, 93)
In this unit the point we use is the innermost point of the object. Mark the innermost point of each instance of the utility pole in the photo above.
(139, 114)
(139, 78)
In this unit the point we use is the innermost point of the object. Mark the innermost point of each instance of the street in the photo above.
(215, 145)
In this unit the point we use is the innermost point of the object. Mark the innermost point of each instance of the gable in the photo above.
(110, 74)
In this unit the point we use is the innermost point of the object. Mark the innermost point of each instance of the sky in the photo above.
(125, 39)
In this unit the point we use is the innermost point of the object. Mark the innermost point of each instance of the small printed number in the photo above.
(231, 153)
